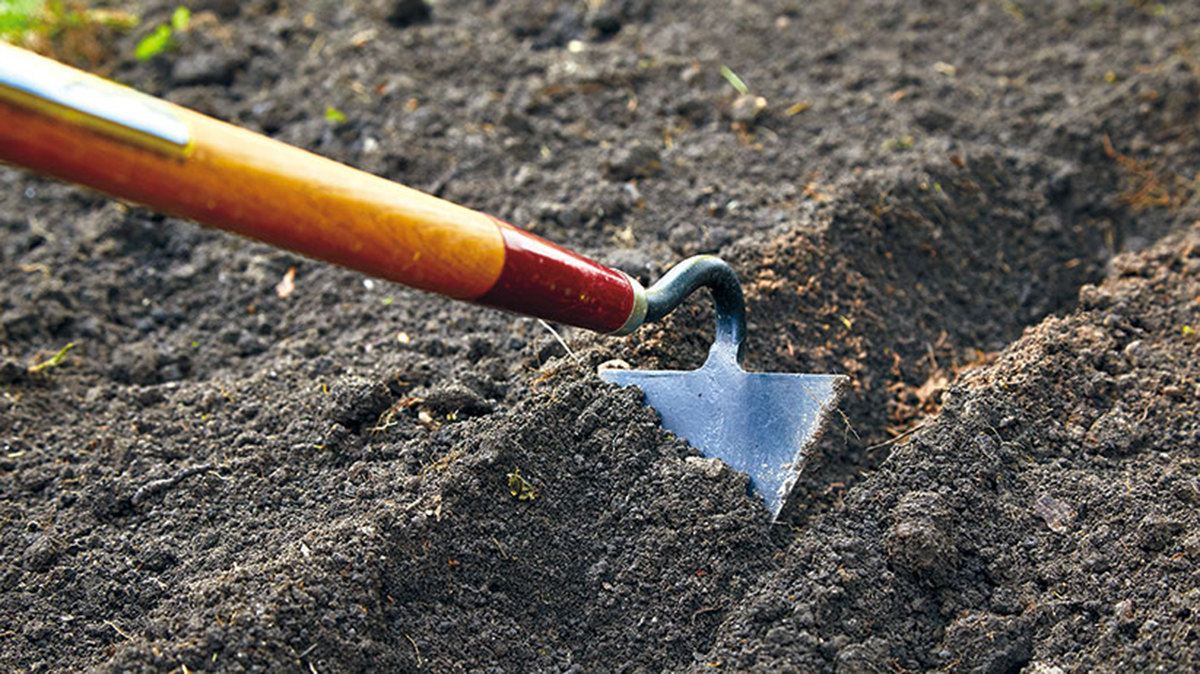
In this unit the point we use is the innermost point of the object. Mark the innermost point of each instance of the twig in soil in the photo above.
(898, 438)
(1148, 189)
(386, 419)
(153, 487)
(415, 649)
(560, 341)
(501, 548)
(702, 610)
(850, 430)
(118, 630)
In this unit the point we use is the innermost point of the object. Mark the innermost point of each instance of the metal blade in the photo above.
(758, 423)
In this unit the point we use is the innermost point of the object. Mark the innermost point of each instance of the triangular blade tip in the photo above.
(775, 498)
(837, 391)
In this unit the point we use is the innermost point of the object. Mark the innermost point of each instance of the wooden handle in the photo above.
(65, 123)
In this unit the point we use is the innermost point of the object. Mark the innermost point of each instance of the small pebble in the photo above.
(1057, 514)
(635, 161)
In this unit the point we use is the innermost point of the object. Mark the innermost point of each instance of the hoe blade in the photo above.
(759, 423)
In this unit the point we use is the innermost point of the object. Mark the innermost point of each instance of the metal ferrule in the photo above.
(637, 314)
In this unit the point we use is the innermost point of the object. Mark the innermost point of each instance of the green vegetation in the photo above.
(734, 81)
(19, 16)
(154, 44)
(336, 116)
(163, 37)
(54, 361)
(520, 488)
(67, 29)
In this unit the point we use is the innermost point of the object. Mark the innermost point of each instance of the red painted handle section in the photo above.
(544, 280)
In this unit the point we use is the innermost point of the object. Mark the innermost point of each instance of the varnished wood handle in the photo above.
(65, 123)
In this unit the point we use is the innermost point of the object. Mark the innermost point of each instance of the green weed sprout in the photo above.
(336, 116)
(734, 81)
(54, 361)
(163, 37)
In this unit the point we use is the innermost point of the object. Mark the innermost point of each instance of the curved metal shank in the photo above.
(704, 271)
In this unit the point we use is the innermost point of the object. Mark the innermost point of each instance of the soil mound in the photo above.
(1048, 514)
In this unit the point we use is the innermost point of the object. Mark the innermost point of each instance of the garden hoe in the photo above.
(65, 123)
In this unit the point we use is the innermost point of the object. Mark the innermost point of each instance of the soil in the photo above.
(985, 213)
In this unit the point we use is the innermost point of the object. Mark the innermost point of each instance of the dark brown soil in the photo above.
(932, 201)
